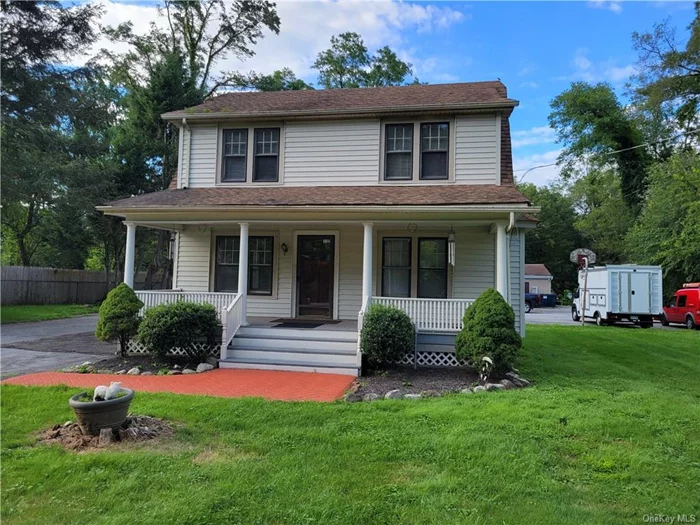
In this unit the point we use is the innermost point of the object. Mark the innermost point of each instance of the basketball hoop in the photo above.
(579, 254)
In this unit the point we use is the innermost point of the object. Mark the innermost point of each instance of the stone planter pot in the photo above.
(93, 416)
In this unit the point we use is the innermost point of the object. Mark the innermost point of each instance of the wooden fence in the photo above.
(34, 285)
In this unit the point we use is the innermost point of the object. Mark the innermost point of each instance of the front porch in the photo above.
(292, 295)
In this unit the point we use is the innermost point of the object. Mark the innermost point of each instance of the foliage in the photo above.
(348, 64)
(280, 80)
(119, 316)
(489, 331)
(591, 123)
(668, 230)
(602, 380)
(604, 218)
(387, 334)
(555, 235)
(193, 327)
(668, 77)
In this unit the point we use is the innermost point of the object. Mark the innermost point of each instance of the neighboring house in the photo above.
(294, 211)
(538, 280)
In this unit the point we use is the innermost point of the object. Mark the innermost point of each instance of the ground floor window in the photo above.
(398, 259)
(396, 267)
(432, 268)
(260, 267)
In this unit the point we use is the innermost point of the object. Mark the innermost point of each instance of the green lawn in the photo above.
(43, 312)
(610, 433)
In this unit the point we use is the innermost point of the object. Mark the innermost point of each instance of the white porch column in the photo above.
(367, 263)
(129, 254)
(501, 270)
(243, 272)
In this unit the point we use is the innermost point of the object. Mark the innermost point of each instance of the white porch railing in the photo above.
(360, 322)
(151, 298)
(437, 315)
(231, 319)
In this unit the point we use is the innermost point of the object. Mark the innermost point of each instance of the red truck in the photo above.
(684, 308)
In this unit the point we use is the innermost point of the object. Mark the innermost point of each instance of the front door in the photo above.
(315, 275)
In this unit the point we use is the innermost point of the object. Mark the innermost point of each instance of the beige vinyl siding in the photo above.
(476, 151)
(474, 271)
(517, 285)
(193, 260)
(331, 153)
(350, 284)
(203, 156)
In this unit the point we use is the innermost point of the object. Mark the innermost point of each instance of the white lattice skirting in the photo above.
(136, 348)
(436, 359)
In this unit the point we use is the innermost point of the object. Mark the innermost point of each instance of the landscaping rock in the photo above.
(120, 372)
(393, 394)
(353, 398)
(431, 393)
(175, 372)
(204, 367)
(133, 372)
(478, 389)
(508, 384)
(86, 363)
(213, 361)
(466, 391)
(371, 397)
(177, 367)
(147, 373)
(412, 396)
(494, 386)
(106, 437)
(188, 371)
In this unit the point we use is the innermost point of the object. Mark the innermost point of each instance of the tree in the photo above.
(668, 78)
(555, 235)
(119, 316)
(280, 80)
(204, 32)
(668, 230)
(592, 124)
(348, 64)
(55, 125)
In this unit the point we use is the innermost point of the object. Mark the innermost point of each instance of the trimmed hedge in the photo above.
(387, 334)
(489, 330)
(192, 327)
(119, 316)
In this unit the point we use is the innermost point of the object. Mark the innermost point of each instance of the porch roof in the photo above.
(322, 196)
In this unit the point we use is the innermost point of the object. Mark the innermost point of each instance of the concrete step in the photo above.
(284, 344)
(305, 334)
(291, 366)
(282, 356)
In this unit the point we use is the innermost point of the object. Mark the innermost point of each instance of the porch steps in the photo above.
(293, 349)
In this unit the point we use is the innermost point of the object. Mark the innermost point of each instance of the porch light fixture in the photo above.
(412, 227)
(451, 246)
(284, 248)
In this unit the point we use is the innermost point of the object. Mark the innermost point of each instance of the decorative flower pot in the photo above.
(95, 415)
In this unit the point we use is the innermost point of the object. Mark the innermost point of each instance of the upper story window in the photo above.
(266, 162)
(434, 151)
(398, 164)
(235, 148)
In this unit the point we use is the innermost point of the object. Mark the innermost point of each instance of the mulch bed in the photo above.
(147, 363)
(410, 381)
(136, 429)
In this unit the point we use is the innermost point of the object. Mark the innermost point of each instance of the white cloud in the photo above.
(306, 29)
(606, 71)
(615, 7)
(532, 136)
(531, 85)
(539, 176)
(581, 61)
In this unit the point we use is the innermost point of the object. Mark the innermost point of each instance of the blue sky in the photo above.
(536, 48)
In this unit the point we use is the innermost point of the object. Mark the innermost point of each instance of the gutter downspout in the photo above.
(509, 228)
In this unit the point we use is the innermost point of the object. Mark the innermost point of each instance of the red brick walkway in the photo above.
(284, 386)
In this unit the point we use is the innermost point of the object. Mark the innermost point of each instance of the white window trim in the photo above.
(415, 179)
(250, 156)
(236, 232)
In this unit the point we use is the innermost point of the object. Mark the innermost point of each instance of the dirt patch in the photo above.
(85, 343)
(136, 429)
(410, 381)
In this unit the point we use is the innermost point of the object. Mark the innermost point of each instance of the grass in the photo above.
(609, 433)
(43, 312)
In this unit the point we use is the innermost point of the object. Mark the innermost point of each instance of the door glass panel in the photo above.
(315, 279)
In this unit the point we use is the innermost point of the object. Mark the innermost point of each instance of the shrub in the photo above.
(489, 331)
(192, 327)
(387, 334)
(119, 316)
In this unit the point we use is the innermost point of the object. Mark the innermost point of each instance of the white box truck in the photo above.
(619, 293)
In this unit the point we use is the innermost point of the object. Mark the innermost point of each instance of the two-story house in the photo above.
(294, 211)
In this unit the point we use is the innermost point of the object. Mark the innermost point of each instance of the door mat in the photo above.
(293, 324)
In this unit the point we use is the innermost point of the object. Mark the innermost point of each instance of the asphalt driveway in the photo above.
(562, 315)
(50, 345)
